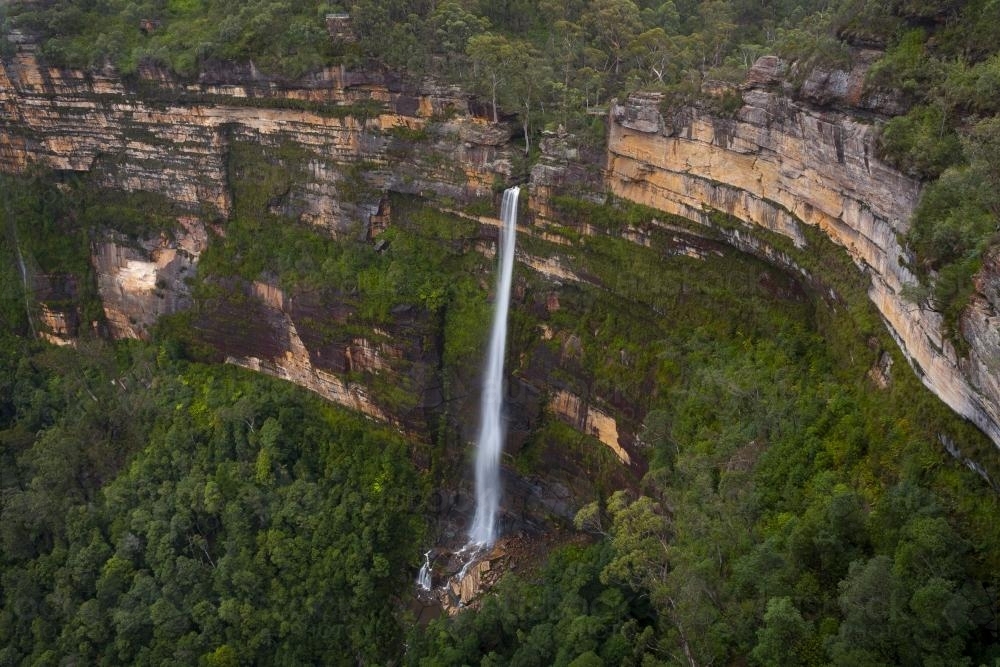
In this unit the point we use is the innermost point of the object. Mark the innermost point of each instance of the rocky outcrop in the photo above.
(56, 326)
(779, 164)
(565, 168)
(980, 328)
(311, 339)
(590, 420)
(141, 280)
(358, 134)
(54, 313)
(296, 366)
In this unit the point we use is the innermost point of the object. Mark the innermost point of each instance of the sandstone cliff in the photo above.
(355, 137)
(779, 164)
(162, 136)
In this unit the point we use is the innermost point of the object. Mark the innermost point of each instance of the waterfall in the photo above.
(24, 276)
(424, 580)
(491, 431)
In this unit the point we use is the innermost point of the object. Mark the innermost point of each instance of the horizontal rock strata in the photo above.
(778, 165)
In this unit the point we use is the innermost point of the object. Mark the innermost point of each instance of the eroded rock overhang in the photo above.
(778, 165)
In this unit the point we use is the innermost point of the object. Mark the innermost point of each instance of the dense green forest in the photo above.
(161, 509)
(160, 513)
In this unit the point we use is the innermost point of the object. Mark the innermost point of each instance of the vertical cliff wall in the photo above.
(779, 164)
(353, 137)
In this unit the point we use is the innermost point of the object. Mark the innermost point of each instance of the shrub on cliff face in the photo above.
(922, 143)
(950, 137)
(956, 221)
(952, 221)
(904, 66)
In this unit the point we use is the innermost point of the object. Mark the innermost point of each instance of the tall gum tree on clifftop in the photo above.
(514, 73)
(493, 57)
(530, 79)
(613, 25)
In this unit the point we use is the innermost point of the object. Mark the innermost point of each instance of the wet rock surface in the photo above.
(462, 577)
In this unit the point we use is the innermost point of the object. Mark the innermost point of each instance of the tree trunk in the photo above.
(526, 124)
(685, 646)
(493, 90)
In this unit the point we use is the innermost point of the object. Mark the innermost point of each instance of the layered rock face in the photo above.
(159, 135)
(780, 164)
(307, 366)
(354, 137)
(776, 165)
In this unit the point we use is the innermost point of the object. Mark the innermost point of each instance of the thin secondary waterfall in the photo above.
(424, 577)
(24, 276)
(491, 430)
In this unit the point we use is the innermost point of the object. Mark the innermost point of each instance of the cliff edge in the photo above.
(779, 164)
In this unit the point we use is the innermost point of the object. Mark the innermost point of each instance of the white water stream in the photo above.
(24, 276)
(489, 445)
(424, 578)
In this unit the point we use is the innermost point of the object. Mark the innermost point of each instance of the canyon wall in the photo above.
(354, 136)
(779, 164)
(776, 164)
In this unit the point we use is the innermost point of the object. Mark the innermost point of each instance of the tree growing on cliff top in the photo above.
(513, 72)
(613, 24)
(494, 58)
(450, 28)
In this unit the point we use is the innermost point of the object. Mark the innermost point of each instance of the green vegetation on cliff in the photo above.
(942, 65)
(47, 225)
(798, 496)
(550, 62)
(799, 506)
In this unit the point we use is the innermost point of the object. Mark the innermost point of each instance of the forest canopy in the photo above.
(156, 512)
